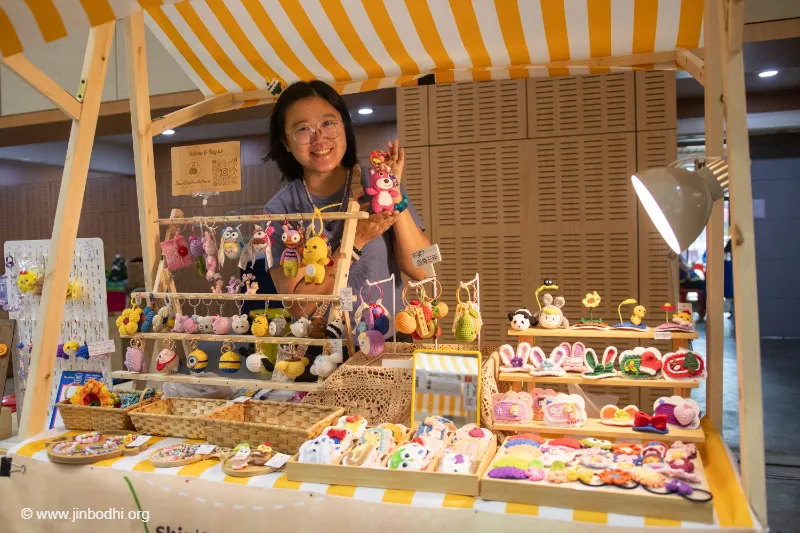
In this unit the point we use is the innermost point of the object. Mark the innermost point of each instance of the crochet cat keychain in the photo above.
(292, 238)
(316, 254)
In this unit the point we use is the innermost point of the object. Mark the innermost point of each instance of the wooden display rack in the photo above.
(720, 71)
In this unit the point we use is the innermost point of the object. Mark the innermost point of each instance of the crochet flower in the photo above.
(615, 477)
(574, 473)
(591, 300)
(146, 319)
(648, 478)
(128, 322)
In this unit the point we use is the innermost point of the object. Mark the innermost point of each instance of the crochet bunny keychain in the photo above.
(211, 250)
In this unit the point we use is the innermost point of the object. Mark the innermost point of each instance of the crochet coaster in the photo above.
(611, 415)
(684, 365)
(548, 366)
(512, 407)
(599, 369)
(511, 361)
(680, 412)
(650, 424)
(640, 363)
(564, 410)
(575, 360)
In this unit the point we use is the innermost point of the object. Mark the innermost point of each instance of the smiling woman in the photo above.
(314, 145)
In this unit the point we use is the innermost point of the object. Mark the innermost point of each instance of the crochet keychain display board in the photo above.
(85, 309)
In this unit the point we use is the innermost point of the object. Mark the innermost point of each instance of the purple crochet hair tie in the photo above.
(507, 472)
(517, 442)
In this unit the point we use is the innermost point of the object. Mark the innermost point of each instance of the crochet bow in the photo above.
(657, 421)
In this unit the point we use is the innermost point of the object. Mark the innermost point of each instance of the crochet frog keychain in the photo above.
(316, 254)
(292, 238)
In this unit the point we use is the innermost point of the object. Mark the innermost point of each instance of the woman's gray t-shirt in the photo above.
(378, 261)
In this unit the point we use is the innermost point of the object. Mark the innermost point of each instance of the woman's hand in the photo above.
(397, 159)
(368, 229)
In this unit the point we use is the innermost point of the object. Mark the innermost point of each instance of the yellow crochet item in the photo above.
(93, 392)
(230, 362)
(516, 462)
(260, 327)
(27, 281)
(292, 369)
(3, 350)
(315, 259)
(128, 322)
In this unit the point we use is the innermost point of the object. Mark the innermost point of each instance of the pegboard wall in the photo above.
(531, 178)
(85, 317)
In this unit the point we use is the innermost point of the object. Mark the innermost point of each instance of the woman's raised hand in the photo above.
(397, 159)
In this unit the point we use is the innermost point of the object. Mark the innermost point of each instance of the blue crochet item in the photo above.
(517, 442)
(146, 321)
(83, 351)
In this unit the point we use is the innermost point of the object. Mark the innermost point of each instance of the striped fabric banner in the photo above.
(361, 45)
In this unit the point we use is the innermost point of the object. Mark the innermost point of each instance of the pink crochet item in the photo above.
(222, 325)
(176, 253)
(134, 360)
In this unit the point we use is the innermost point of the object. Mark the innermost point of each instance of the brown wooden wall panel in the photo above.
(477, 112)
(416, 179)
(655, 100)
(580, 105)
(656, 279)
(412, 115)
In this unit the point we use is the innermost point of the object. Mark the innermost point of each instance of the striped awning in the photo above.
(447, 364)
(360, 45)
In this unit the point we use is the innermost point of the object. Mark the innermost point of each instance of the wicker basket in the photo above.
(284, 425)
(99, 418)
(174, 417)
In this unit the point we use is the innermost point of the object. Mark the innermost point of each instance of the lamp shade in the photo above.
(679, 201)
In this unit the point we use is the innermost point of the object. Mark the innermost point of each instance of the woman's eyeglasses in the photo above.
(330, 129)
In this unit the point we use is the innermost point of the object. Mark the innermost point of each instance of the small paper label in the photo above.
(470, 392)
(278, 460)
(205, 449)
(141, 439)
(662, 335)
(685, 307)
(426, 256)
(346, 297)
(241, 399)
(101, 348)
(336, 345)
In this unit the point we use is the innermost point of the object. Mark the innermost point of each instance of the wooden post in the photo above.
(715, 228)
(343, 265)
(65, 231)
(138, 88)
(748, 348)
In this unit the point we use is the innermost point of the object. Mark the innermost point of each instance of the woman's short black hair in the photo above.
(288, 165)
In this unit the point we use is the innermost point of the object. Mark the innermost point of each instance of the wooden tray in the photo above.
(249, 471)
(427, 480)
(574, 495)
(218, 453)
(119, 452)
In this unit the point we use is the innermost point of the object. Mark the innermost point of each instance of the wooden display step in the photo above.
(599, 334)
(220, 381)
(610, 382)
(238, 219)
(593, 428)
(239, 296)
(233, 338)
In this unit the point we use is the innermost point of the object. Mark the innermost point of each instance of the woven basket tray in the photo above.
(98, 418)
(284, 425)
(174, 417)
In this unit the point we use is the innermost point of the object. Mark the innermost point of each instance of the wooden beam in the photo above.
(65, 230)
(144, 163)
(188, 114)
(735, 25)
(691, 64)
(44, 85)
(771, 31)
(748, 346)
(618, 61)
(343, 263)
(712, 28)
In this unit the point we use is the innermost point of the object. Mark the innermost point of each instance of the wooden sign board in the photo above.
(204, 168)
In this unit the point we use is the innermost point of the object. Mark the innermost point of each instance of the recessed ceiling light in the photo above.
(767, 73)
(365, 111)
(168, 132)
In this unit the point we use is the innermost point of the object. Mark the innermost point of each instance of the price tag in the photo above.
(101, 348)
(426, 256)
(278, 460)
(470, 393)
(141, 439)
(662, 335)
(241, 399)
(205, 449)
(685, 307)
(336, 345)
(346, 297)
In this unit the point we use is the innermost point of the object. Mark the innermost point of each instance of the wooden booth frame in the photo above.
(720, 71)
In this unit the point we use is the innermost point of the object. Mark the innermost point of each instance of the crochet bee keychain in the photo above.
(316, 254)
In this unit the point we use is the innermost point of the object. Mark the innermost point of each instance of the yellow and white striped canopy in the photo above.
(360, 45)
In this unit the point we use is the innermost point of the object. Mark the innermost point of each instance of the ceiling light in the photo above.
(679, 201)
(767, 73)
(168, 132)
(365, 111)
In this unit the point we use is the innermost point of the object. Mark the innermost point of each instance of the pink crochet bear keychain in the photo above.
(383, 186)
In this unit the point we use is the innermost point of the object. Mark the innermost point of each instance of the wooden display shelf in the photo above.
(177, 221)
(580, 380)
(232, 297)
(220, 381)
(598, 334)
(233, 338)
(593, 428)
(636, 501)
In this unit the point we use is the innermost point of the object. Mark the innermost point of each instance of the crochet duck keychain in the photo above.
(316, 254)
